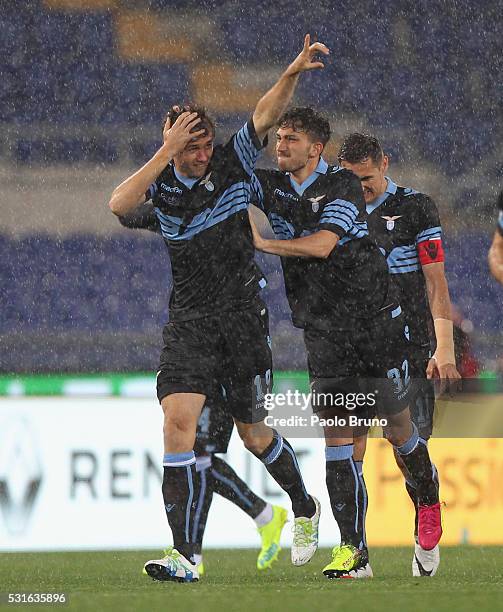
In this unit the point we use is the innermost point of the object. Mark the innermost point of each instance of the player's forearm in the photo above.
(441, 311)
(439, 299)
(131, 192)
(274, 103)
(308, 246)
(495, 258)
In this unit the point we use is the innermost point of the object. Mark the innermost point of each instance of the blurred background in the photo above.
(85, 85)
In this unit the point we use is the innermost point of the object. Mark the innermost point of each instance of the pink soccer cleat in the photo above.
(429, 529)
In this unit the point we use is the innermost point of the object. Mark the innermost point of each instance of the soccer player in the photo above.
(406, 225)
(218, 326)
(214, 430)
(340, 294)
(496, 251)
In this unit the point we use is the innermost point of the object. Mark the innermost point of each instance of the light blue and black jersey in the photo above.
(353, 282)
(406, 226)
(205, 226)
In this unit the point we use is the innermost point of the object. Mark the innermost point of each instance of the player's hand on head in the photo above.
(178, 135)
(308, 57)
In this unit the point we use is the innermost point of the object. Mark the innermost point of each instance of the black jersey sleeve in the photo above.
(246, 146)
(500, 216)
(257, 185)
(143, 217)
(428, 231)
(428, 220)
(340, 214)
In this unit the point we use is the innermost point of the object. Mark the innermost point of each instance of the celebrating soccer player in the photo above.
(218, 326)
(406, 226)
(340, 293)
(214, 430)
(496, 251)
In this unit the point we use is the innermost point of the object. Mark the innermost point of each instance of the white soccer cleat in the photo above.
(425, 562)
(305, 536)
(361, 572)
(174, 566)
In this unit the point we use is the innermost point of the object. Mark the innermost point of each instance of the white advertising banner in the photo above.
(85, 473)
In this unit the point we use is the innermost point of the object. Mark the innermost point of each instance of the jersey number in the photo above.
(396, 376)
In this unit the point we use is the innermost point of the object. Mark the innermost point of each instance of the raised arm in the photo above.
(142, 217)
(131, 192)
(273, 104)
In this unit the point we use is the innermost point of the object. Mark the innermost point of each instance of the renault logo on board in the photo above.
(20, 473)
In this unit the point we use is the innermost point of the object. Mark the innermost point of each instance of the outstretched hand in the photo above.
(304, 61)
(178, 135)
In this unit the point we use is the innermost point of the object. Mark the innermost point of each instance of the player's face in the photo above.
(294, 149)
(193, 161)
(372, 176)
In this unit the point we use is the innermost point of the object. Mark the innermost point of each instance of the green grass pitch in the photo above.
(470, 579)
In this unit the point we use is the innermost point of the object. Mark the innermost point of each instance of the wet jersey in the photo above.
(353, 282)
(406, 226)
(205, 226)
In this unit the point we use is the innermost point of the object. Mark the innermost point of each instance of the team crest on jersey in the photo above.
(315, 202)
(207, 183)
(390, 222)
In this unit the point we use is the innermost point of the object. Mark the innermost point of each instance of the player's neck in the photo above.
(382, 191)
(300, 175)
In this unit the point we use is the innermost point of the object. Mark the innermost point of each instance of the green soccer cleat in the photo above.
(270, 535)
(173, 566)
(305, 536)
(348, 562)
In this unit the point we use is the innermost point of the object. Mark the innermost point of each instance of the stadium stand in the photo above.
(101, 292)
(87, 83)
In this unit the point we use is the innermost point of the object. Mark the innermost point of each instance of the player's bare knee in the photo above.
(256, 438)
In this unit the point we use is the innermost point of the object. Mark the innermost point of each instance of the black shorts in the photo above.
(214, 428)
(369, 361)
(234, 347)
(422, 401)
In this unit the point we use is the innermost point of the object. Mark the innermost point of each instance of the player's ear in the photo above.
(317, 149)
(385, 163)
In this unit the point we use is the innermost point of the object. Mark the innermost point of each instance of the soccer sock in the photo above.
(179, 502)
(229, 485)
(416, 458)
(265, 516)
(281, 463)
(203, 495)
(362, 504)
(412, 492)
(343, 484)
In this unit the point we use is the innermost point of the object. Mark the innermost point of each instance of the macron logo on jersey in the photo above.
(171, 189)
(288, 196)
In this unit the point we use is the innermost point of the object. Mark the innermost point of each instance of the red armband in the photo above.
(430, 251)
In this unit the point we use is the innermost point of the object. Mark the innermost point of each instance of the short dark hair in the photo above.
(206, 122)
(357, 148)
(305, 119)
